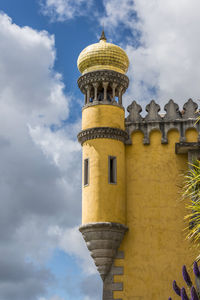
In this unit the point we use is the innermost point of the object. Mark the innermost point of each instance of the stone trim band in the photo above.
(102, 132)
(106, 225)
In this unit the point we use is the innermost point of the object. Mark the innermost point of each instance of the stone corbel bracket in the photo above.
(192, 149)
(103, 240)
(173, 119)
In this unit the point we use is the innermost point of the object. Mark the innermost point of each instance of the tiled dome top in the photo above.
(103, 56)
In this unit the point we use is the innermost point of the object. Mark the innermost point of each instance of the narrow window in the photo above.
(86, 171)
(112, 169)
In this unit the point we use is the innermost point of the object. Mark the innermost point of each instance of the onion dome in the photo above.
(103, 56)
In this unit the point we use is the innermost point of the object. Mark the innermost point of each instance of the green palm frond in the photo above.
(198, 120)
(191, 192)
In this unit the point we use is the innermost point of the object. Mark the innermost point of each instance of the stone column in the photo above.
(114, 85)
(120, 95)
(105, 86)
(95, 85)
(88, 89)
(85, 94)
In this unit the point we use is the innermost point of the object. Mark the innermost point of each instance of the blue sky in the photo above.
(42, 254)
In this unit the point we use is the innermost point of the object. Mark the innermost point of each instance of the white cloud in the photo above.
(166, 63)
(59, 145)
(40, 174)
(114, 16)
(71, 241)
(27, 80)
(62, 10)
(52, 298)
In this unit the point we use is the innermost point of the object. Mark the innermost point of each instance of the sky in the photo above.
(42, 253)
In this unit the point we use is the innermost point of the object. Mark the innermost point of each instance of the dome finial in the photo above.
(103, 37)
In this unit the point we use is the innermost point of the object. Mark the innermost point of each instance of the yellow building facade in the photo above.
(132, 213)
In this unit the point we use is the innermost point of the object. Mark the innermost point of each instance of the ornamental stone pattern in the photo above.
(102, 132)
(102, 76)
(173, 119)
(103, 86)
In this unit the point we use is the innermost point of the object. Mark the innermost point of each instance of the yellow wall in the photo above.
(155, 247)
(101, 201)
(103, 116)
(146, 198)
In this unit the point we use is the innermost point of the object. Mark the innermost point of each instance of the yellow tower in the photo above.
(103, 134)
(132, 216)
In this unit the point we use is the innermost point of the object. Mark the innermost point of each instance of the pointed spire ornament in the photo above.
(103, 37)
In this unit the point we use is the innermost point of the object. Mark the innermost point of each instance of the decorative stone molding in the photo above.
(103, 86)
(173, 119)
(109, 285)
(102, 76)
(103, 240)
(103, 102)
(102, 132)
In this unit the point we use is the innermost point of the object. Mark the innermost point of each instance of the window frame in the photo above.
(84, 171)
(114, 175)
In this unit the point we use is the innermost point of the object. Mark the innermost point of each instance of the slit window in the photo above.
(112, 169)
(86, 171)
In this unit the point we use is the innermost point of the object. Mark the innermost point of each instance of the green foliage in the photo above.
(191, 191)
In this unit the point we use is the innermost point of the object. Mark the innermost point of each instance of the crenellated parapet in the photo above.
(172, 119)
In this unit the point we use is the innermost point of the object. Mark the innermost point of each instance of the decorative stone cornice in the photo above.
(102, 132)
(102, 76)
(182, 148)
(103, 240)
(103, 225)
(103, 102)
(173, 119)
(192, 149)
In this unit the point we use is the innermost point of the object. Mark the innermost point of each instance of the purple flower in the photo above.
(194, 294)
(170, 298)
(184, 295)
(196, 269)
(176, 288)
(186, 276)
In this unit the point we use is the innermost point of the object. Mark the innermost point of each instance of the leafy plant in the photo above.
(191, 191)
